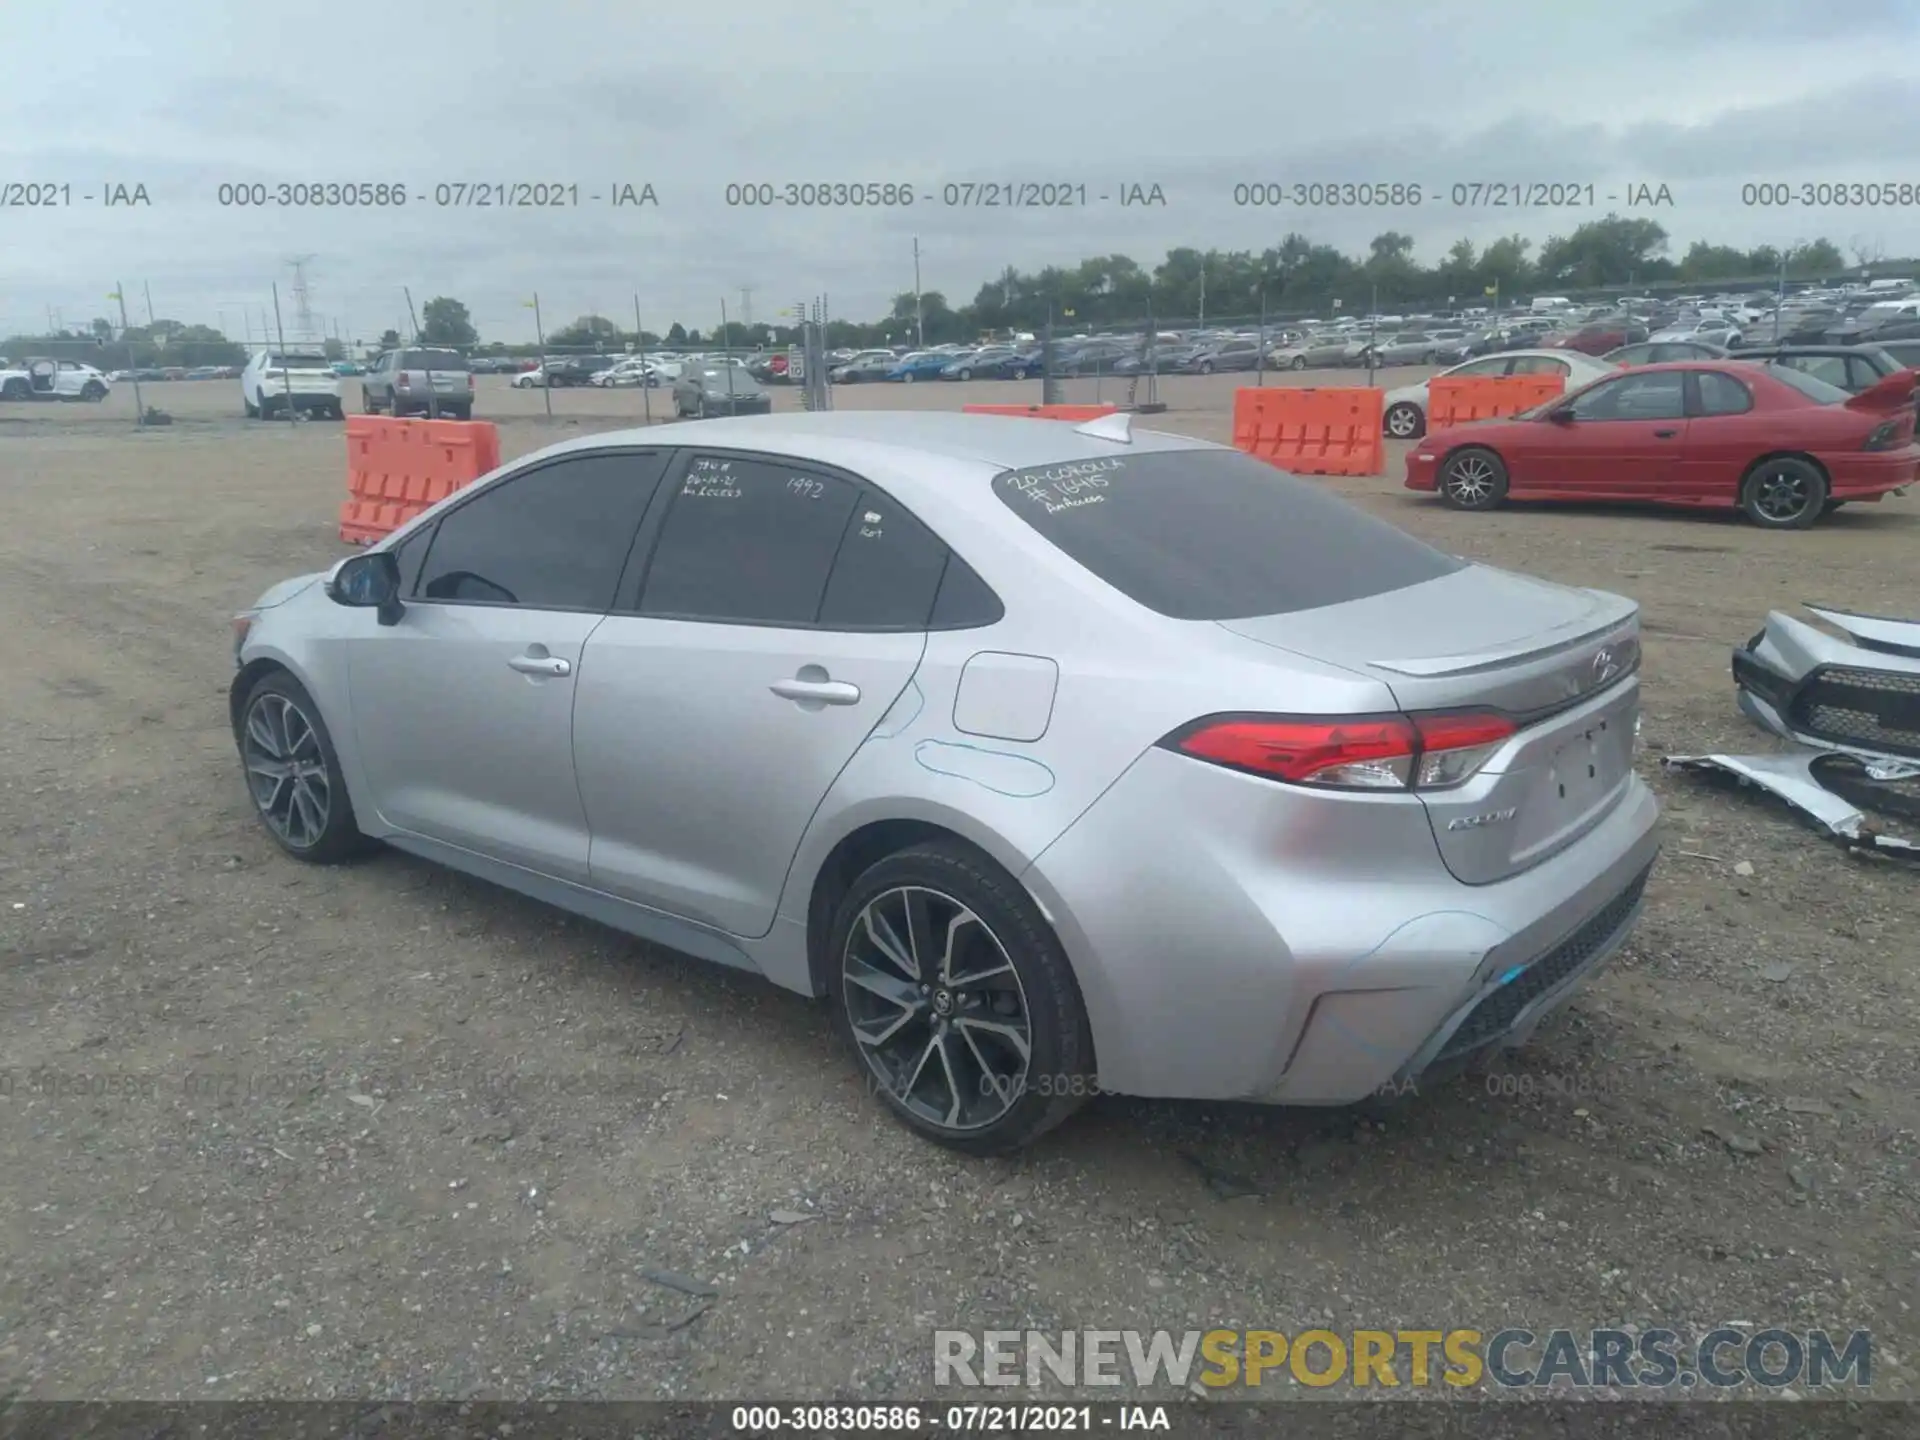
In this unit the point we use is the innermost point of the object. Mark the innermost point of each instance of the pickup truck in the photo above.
(419, 382)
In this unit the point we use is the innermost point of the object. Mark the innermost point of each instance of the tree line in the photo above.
(1292, 279)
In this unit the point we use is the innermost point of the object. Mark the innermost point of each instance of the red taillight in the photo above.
(1351, 752)
(469, 380)
(1891, 436)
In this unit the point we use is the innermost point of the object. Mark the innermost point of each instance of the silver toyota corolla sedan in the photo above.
(1060, 759)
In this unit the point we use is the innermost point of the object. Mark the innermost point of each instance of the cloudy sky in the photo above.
(1195, 96)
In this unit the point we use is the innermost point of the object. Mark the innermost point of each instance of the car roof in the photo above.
(855, 438)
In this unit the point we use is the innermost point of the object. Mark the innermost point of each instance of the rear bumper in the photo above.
(1869, 475)
(1316, 950)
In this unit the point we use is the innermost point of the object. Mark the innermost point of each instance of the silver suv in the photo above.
(419, 382)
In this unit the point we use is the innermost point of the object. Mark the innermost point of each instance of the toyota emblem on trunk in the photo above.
(1605, 667)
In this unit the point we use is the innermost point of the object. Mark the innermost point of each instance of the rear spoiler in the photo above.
(1893, 393)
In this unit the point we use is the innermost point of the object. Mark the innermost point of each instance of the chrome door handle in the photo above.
(824, 692)
(541, 665)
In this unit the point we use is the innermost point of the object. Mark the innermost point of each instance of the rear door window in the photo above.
(1215, 534)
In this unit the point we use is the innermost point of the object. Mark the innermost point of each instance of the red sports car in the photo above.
(1776, 443)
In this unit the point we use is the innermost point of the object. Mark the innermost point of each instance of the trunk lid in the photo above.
(1561, 662)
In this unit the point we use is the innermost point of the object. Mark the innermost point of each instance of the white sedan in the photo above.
(1405, 414)
(530, 379)
(52, 380)
(638, 372)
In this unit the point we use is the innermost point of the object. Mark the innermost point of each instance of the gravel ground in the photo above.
(383, 1131)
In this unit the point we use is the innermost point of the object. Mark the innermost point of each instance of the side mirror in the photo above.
(369, 582)
(1560, 415)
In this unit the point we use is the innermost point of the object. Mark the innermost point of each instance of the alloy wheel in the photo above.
(1402, 421)
(1470, 480)
(1781, 495)
(286, 771)
(936, 1008)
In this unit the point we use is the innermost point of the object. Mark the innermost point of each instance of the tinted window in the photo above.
(434, 360)
(1484, 367)
(1215, 534)
(1830, 368)
(887, 572)
(1657, 396)
(1539, 365)
(409, 553)
(748, 540)
(1810, 386)
(965, 600)
(1722, 394)
(552, 539)
(1862, 373)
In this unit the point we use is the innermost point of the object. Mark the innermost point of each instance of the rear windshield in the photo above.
(1216, 534)
(1810, 386)
(298, 362)
(433, 360)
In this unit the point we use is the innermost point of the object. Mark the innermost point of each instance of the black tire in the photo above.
(393, 407)
(1405, 422)
(461, 412)
(700, 408)
(253, 410)
(1299, 362)
(1014, 1106)
(266, 408)
(1473, 479)
(1206, 367)
(908, 377)
(1784, 494)
(336, 411)
(93, 392)
(338, 837)
(966, 374)
(16, 389)
(367, 403)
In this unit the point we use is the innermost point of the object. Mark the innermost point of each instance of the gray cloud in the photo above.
(1195, 97)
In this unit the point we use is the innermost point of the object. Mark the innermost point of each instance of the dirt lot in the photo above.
(385, 1131)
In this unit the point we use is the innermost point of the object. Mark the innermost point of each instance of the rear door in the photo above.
(782, 611)
(1719, 444)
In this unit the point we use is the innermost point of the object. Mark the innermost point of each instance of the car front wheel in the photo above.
(1473, 479)
(1299, 363)
(293, 773)
(953, 991)
(93, 392)
(1784, 494)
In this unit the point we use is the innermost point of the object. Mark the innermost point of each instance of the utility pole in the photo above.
(1203, 292)
(640, 346)
(139, 406)
(302, 299)
(149, 293)
(746, 307)
(286, 367)
(919, 326)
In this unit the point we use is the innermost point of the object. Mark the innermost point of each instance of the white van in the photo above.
(276, 381)
(1547, 304)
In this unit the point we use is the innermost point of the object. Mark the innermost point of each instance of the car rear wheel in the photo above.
(1784, 494)
(1473, 479)
(336, 411)
(1205, 367)
(253, 410)
(16, 389)
(953, 991)
(908, 377)
(93, 391)
(966, 374)
(293, 773)
(1405, 422)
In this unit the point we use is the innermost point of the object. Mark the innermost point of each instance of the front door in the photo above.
(1623, 439)
(463, 711)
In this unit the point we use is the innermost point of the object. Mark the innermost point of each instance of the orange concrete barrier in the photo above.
(397, 468)
(1044, 412)
(1456, 400)
(1311, 431)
